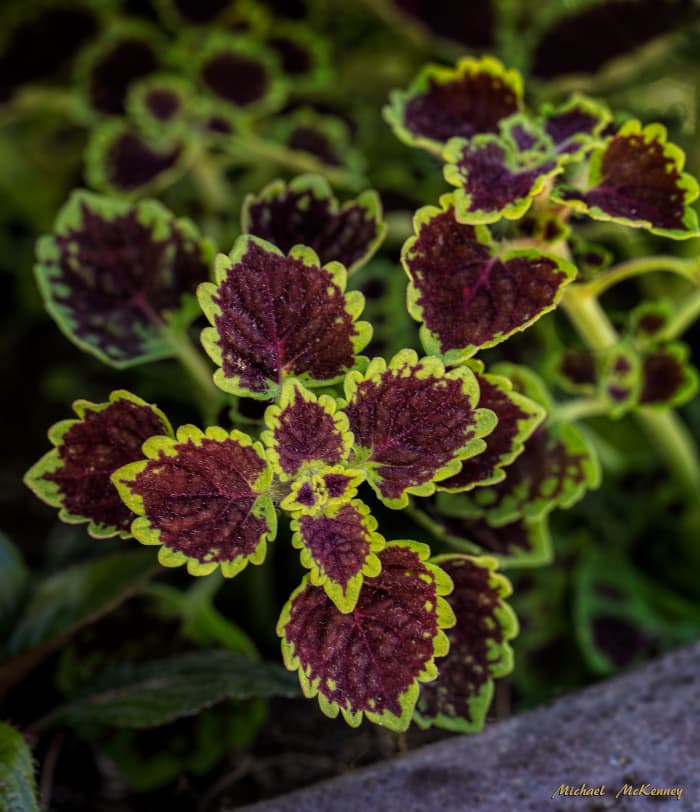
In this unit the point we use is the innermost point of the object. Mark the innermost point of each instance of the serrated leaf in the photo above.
(370, 661)
(14, 585)
(413, 423)
(519, 543)
(204, 497)
(619, 378)
(17, 782)
(469, 294)
(340, 548)
(667, 378)
(64, 602)
(493, 179)
(112, 274)
(471, 98)
(154, 693)
(303, 54)
(517, 416)
(75, 476)
(277, 316)
(317, 490)
(555, 469)
(128, 51)
(305, 212)
(479, 646)
(305, 432)
(573, 126)
(124, 161)
(159, 104)
(636, 179)
(241, 71)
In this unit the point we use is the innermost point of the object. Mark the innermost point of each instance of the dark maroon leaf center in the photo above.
(163, 104)
(201, 500)
(302, 218)
(306, 139)
(111, 76)
(462, 107)
(131, 162)
(235, 78)
(92, 450)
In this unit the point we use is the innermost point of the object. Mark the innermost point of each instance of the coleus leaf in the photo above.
(518, 416)
(648, 319)
(203, 496)
(667, 378)
(326, 138)
(112, 274)
(305, 432)
(441, 103)
(494, 180)
(305, 212)
(636, 179)
(369, 662)
(159, 103)
(303, 55)
(469, 294)
(576, 370)
(574, 125)
(319, 490)
(121, 160)
(519, 543)
(340, 548)
(127, 52)
(479, 646)
(17, 783)
(555, 469)
(75, 475)
(195, 13)
(619, 378)
(241, 71)
(413, 423)
(277, 316)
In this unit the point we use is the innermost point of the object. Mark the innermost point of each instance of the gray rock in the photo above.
(642, 728)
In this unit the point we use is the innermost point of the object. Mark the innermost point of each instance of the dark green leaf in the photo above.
(17, 785)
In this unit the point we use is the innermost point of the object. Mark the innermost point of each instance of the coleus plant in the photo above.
(478, 455)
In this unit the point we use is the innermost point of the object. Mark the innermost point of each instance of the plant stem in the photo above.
(250, 146)
(579, 408)
(209, 397)
(663, 428)
(687, 268)
(686, 313)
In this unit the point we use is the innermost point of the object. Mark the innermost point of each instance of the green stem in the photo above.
(250, 146)
(209, 397)
(579, 408)
(208, 176)
(663, 428)
(686, 314)
(688, 268)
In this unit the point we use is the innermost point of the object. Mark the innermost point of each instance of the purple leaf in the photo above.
(113, 64)
(479, 646)
(555, 469)
(305, 212)
(668, 379)
(413, 424)
(239, 70)
(574, 125)
(204, 497)
(369, 662)
(123, 161)
(577, 370)
(113, 274)
(636, 179)
(518, 417)
(442, 103)
(493, 180)
(277, 316)
(517, 544)
(340, 548)
(305, 432)
(75, 476)
(468, 294)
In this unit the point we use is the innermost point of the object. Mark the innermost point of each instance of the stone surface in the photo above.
(640, 728)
